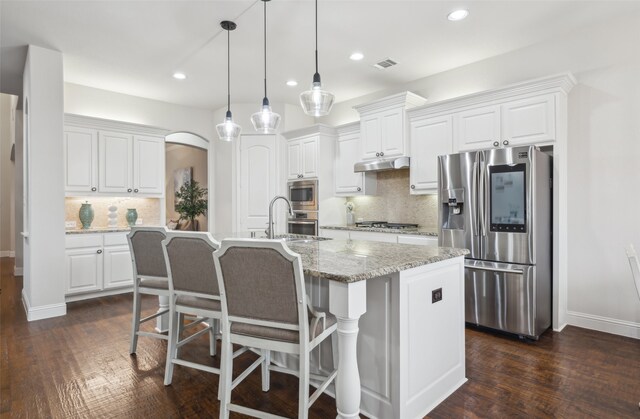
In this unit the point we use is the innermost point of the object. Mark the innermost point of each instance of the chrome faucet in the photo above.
(269, 230)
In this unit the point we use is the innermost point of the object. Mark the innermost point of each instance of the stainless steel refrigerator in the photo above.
(497, 204)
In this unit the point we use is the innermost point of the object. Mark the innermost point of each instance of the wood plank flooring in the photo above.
(78, 366)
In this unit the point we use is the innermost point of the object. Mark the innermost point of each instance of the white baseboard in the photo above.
(17, 271)
(7, 254)
(604, 324)
(560, 328)
(42, 312)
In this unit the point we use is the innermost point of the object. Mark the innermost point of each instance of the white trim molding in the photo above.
(42, 312)
(604, 324)
(7, 254)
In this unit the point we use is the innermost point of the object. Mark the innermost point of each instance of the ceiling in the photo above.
(134, 47)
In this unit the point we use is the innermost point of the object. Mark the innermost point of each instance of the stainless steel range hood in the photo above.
(380, 165)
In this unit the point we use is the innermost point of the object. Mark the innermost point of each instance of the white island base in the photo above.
(410, 351)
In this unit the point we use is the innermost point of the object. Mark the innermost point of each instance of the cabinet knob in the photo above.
(135, 190)
(377, 154)
(505, 142)
(94, 189)
(129, 190)
(99, 251)
(359, 189)
(382, 154)
(413, 186)
(496, 143)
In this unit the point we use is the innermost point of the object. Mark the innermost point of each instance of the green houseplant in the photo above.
(191, 201)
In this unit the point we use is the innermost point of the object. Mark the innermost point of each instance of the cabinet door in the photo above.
(429, 138)
(347, 154)
(528, 121)
(419, 240)
(258, 177)
(148, 165)
(370, 136)
(310, 157)
(477, 128)
(392, 133)
(294, 159)
(80, 160)
(118, 269)
(373, 236)
(115, 162)
(84, 270)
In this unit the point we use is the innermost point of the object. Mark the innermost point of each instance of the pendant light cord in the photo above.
(228, 71)
(316, 36)
(265, 49)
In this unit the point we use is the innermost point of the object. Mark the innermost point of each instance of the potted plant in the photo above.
(191, 201)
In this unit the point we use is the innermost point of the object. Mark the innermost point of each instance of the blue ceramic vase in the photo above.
(132, 216)
(86, 215)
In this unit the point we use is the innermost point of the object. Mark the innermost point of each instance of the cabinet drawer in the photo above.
(74, 241)
(116, 239)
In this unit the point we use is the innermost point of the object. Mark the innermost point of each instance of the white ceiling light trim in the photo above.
(356, 56)
(292, 83)
(179, 76)
(458, 15)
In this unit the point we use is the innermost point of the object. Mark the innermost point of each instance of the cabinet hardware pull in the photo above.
(99, 251)
(413, 186)
(377, 154)
(135, 190)
(129, 190)
(359, 188)
(496, 144)
(94, 189)
(505, 142)
(382, 154)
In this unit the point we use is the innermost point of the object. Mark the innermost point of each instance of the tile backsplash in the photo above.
(148, 210)
(394, 203)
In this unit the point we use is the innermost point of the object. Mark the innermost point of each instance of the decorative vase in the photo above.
(351, 219)
(86, 215)
(113, 216)
(132, 216)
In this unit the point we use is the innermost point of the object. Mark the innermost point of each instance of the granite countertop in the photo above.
(98, 230)
(410, 231)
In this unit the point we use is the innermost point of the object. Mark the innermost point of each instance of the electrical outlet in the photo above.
(139, 222)
(69, 224)
(436, 295)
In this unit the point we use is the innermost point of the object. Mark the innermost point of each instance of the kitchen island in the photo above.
(400, 311)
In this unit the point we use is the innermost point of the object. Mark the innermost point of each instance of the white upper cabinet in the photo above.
(81, 159)
(383, 127)
(530, 120)
(302, 158)
(478, 128)
(111, 157)
(430, 138)
(347, 182)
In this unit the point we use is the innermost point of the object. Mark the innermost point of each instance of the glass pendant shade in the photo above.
(265, 120)
(228, 130)
(316, 102)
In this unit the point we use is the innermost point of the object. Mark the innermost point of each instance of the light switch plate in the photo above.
(69, 224)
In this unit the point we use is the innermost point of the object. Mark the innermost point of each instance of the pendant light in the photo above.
(265, 120)
(316, 102)
(228, 130)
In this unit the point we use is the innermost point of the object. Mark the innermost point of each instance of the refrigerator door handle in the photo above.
(475, 219)
(493, 269)
(483, 196)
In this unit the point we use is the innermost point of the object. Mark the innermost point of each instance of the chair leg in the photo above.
(303, 393)
(226, 375)
(266, 376)
(172, 347)
(212, 336)
(135, 322)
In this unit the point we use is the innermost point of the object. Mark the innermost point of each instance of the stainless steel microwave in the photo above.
(303, 194)
(303, 223)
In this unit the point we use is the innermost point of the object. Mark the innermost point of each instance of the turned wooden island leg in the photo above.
(162, 322)
(348, 301)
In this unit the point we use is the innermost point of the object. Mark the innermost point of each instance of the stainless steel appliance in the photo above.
(303, 222)
(303, 194)
(497, 204)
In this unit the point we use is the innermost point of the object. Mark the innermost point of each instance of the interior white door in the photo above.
(115, 162)
(258, 175)
(80, 159)
(148, 165)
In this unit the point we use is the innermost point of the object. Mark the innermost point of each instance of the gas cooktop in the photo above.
(385, 224)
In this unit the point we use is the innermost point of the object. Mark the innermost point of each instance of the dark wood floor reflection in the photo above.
(79, 366)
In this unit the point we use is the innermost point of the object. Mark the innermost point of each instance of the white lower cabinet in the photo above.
(373, 236)
(419, 240)
(97, 263)
(334, 234)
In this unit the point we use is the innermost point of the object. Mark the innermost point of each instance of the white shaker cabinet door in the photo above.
(310, 157)
(258, 177)
(84, 270)
(80, 159)
(529, 121)
(370, 132)
(118, 268)
(478, 128)
(429, 138)
(294, 159)
(392, 133)
(347, 155)
(148, 165)
(115, 162)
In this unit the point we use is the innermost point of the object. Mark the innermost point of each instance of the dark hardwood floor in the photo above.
(79, 366)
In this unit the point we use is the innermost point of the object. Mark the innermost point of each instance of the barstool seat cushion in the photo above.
(283, 335)
(198, 302)
(161, 284)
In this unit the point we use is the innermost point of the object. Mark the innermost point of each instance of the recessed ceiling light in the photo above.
(458, 14)
(292, 83)
(357, 56)
(179, 76)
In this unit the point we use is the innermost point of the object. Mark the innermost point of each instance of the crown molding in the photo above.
(111, 125)
(406, 99)
(316, 129)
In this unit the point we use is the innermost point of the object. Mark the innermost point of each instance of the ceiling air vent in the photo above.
(384, 64)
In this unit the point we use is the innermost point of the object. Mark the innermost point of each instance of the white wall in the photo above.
(7, 136)
(604, 153)
(43, 292)
(17, 269)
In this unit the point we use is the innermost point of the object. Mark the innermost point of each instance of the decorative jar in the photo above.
(86, 215)
(132, 216)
